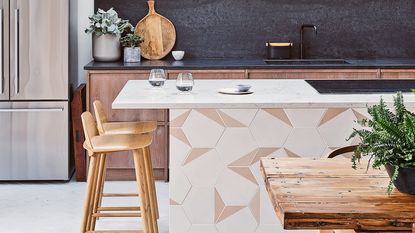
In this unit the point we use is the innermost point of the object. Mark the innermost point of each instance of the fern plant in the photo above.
(390, 139)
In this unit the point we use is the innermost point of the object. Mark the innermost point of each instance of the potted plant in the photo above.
(389, 141)
(107, 28)
(131, 43)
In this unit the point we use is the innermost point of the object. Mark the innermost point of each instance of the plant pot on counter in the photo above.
(132, 54)
(405, 182)
(106, 48)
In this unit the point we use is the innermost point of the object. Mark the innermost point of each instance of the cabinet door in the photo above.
(5, 142)
(4, 50)
(210, 74)
(105, 86)
(314, 74)
(39, 141)
(398, 74)
(39, 41)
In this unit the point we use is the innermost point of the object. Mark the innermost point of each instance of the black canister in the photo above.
(277, 50)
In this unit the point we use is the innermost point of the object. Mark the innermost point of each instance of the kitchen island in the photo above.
(216, 142)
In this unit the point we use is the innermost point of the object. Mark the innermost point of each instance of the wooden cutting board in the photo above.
(158, 32)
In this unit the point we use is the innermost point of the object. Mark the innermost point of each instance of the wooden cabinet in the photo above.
(397, 74)
(105, 86)
(314, 74)
(210, 74)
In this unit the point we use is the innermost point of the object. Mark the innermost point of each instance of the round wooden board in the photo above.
(159, 34)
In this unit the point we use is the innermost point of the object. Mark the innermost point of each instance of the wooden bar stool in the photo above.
(97, 146)
(141, 127)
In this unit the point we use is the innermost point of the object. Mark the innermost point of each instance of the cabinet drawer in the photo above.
(314, 74)
(210, 74)
(397, 74)
(106, 86)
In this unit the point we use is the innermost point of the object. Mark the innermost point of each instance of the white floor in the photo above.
(57, 207)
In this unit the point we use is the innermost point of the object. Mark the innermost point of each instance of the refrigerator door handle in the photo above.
(1, 52)
(32, 110)
(16, 52)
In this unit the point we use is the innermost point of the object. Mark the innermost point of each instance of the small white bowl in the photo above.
(243, 87)
(178, 55)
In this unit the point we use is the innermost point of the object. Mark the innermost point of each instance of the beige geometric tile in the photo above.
(229, 121)
(174, 113)
(179, 222)
(303, 118)
(255, 206)
(305, 142)
(178, 152)
(268, 130)
(244, 172)
(202, 131)
(230, 183)
(228, 211)
(203, 229)
(211, 114)
(280, 114)
(179, 134)
(179, 185)
(240, 222)
(270, 229)
(219, 205)
(243, 116)
(291, 154)
(234, 144)
(338, 129)
(244, 160)
(196, 153)
(264, 152)
(204, 171)
(179, 117)
(267, 212)
(331, 113)
(199, 205)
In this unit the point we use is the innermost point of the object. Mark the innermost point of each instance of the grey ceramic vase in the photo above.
(106, 48)
(405, 182)
(132, 54)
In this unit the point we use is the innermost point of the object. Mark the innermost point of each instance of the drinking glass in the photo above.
(157, 77)
(184, 83)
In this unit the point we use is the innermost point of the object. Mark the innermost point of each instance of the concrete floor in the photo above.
(45, 207)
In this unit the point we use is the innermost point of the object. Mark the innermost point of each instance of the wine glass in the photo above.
(184, 83)
(157, 77)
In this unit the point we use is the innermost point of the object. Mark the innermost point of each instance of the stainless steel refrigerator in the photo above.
(34, 90)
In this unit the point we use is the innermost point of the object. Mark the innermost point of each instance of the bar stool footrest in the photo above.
(115, 231)
(120, 195)
(116, 215)
(119, 208)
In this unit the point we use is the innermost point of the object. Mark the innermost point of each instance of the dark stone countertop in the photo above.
(235, 63)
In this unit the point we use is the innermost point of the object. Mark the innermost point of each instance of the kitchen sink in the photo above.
(361, 86)
(305, 61)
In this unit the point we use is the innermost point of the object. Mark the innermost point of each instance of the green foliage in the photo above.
(390, 138)
(131, 40)
(107, 22)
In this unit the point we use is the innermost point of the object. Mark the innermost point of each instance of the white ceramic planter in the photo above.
(106, 48)
(132, 54)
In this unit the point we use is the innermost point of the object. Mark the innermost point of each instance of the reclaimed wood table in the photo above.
(329, 194)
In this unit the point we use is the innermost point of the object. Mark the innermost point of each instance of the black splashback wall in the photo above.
(240, 28)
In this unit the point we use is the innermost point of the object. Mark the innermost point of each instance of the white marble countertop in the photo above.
(138, 94)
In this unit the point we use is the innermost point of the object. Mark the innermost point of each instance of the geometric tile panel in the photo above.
(215, 178)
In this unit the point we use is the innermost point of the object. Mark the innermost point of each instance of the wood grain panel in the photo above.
(329, 194)
(210, 74)
(397, 74)
(314, 74)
